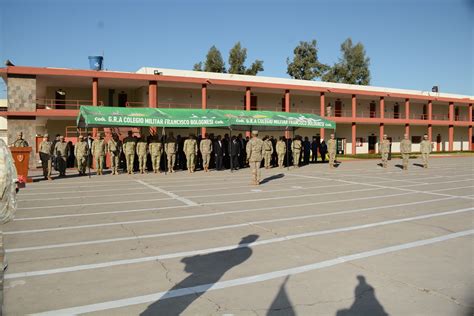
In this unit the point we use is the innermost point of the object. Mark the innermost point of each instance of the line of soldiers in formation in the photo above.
(242, 151)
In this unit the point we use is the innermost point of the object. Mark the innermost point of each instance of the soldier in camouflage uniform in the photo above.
(281, 151)
(46, 153)
(425, 148)
(170, 150)
(20, 142)
(405, 150)
(268, 152)
(81, 151)
(61, 152)
(384, 148)
(156, 148)
(99, 148)
(114, 147)
(142, 152)
(296, 150)
(129, 150)
(332, 150)
(190, 150)
(255, 151)
(206, 149)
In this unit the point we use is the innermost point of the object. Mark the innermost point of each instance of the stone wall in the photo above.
(22, 98)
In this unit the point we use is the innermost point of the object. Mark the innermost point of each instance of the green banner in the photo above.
(101, 116)
(95, 116)
(276, 119)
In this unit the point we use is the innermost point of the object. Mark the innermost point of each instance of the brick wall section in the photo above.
(22, 98)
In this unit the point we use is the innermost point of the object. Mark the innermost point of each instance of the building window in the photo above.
(253, 102)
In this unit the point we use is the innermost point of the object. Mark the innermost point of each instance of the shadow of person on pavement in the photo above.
(274, 177)
(281, 304)
(205, 271)
(365, 302)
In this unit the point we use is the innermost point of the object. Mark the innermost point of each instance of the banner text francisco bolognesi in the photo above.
(155, 121)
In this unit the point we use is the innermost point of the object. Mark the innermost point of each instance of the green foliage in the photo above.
(214, 61)
(352, 68)
(237, 57)
(305, 64)
(198, 66)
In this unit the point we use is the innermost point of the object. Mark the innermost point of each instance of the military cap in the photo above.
(254, 132)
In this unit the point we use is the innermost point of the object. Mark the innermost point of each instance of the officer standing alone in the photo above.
(46, 153)
(384, 150)
(255, 153)
(331, 145)
(405, 150)
(425, 148)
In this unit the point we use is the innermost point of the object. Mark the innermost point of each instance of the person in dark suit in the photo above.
(314, 150)
(218, 152)
(323, 149)
(235, 152)
(306, 150)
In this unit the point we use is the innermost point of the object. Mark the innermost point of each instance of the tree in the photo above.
(237, 57)
(213, 63)
(305, 64)
(352, 68)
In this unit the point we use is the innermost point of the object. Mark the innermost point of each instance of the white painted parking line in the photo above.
(93, 204)
(17, 232)
(253, 278)
(168, 193)
(22, 192)
(394, 188)
(152, 258)
(203, 215)
(175, 233)
(84, 196)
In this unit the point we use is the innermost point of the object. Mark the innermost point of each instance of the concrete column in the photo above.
(322, 112)
(354, 136)
(95, 99)
(451, 111)
(407, 109)
(287, 108)
(382, 107)
(430, 110)
(152, 100)
(430, 132)
(354, 106)
(451, 137)
(152, 94)
(469, 132)
(248, 97)
(95, 91)
(469, 137)
(203, 103)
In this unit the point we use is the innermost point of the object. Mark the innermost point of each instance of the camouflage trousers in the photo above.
(281, 158)
(142, 162)
(405, 159)
(99, 162)
(191, 161)
(332, 159)
(206, 157)
(255, 168)
(155, 161)
(171, 161)
(114, 162)
(384, 159)
(81, 163)
(424, 159)
(130, 158)
(267, 157)
(296, 158)
(46, 163)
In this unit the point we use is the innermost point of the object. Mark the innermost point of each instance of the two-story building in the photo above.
(46, 100)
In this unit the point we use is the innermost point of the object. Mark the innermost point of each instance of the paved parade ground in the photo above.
(356, 240)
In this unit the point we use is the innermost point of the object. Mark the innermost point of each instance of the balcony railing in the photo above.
(461, 118)
(367, 114)
(394, 115)
(68, 104)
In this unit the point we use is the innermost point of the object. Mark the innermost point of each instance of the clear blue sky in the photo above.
(412, 44)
